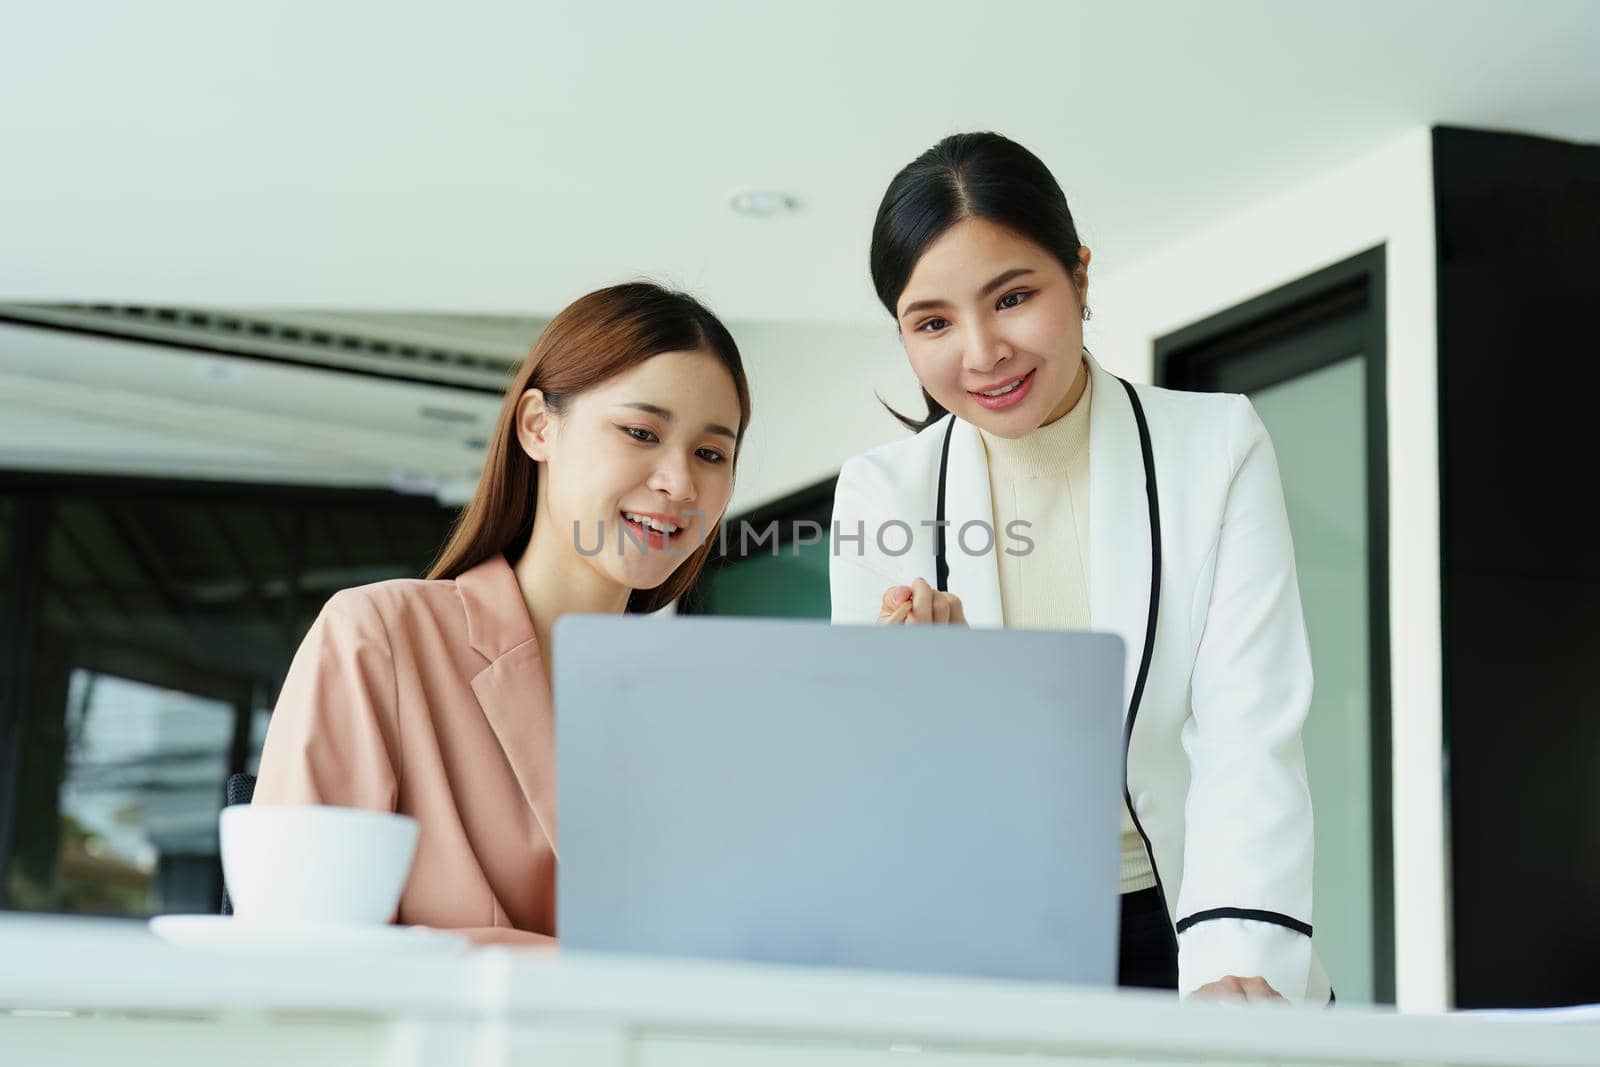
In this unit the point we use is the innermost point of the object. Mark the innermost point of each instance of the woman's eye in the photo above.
(647, 437)
(933, 326)
(1011, 300)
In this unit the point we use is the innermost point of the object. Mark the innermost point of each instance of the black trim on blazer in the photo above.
(941, 567)
(1277, 918)
(1153, 499)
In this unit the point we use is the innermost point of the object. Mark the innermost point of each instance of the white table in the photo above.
(107, 992)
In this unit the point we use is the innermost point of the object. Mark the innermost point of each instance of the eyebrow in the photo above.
(994, 283)
(666, 416)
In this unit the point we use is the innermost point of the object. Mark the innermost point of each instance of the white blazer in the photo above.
(1214, 768)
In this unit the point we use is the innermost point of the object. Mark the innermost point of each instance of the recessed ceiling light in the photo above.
(764, 203)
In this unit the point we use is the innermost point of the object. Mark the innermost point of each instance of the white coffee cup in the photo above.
(308, 863)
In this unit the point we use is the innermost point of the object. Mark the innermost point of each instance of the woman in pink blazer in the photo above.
(610, 467)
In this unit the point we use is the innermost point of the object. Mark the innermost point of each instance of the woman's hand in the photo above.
(1232, 987)
(919, 603)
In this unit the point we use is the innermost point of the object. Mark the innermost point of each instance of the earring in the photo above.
(1086, 313)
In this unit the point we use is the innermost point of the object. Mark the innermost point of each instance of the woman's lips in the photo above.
(655, 539)
(995, 403)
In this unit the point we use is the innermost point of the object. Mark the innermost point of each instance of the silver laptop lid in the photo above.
(925, 799)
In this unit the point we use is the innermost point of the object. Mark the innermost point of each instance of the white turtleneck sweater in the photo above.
(1043, 478)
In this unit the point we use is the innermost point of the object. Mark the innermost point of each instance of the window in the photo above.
(162, 619)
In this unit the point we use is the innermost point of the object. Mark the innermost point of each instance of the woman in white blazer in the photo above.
(1041, 490)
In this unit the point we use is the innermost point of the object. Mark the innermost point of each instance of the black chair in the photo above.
(240, 789)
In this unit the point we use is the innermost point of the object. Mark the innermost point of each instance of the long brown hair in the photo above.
(593, 338)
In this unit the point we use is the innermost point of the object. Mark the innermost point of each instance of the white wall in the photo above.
(814, 401)
(1383, 198)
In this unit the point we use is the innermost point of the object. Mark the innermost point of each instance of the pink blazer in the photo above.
(428, 698)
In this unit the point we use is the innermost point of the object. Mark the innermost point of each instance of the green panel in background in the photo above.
(787, 585)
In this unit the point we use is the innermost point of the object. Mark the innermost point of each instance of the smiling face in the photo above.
(993, 326)
(645, 456)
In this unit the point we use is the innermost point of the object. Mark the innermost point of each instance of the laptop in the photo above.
(934, 800)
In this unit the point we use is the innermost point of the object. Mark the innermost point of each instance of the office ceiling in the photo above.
(499, 159)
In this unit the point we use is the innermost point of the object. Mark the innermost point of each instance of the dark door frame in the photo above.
(21, 592)
(1308, 324)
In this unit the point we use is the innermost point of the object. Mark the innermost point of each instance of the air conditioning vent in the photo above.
(475, 352)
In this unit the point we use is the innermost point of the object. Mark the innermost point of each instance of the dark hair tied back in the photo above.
(966, 175)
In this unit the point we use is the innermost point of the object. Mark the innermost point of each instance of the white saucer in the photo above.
(229, 933)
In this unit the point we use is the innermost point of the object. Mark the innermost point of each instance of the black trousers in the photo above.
(1148, 953)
